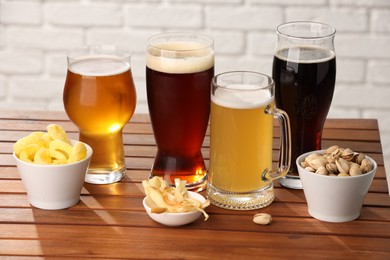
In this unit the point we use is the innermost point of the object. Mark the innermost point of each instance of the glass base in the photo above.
(292, 182)
(241, 201)
(102, 176)
(197, 186)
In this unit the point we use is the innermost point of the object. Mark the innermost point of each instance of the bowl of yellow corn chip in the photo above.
(52, 167)
(172, 206)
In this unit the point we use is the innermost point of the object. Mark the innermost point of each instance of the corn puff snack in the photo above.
(52, 147)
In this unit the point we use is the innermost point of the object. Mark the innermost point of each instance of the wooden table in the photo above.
(110, 222)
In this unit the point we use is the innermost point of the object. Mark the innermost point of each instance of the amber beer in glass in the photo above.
(100, 98)
(179, 69)
(304, 70)
(241, 138)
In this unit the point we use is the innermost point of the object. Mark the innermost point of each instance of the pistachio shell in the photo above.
(331, 149)
(355, 170)
(312, 157)
(262, 218)
(330, 159)
(347, 154)
(308, 168)
(332, 168)
(358, 158)
(336, 153)
(322, 170)
(366, 166)
(317, 162)
(304, 164)
(342, 165)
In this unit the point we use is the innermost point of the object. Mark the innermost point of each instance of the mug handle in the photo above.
(285, 145)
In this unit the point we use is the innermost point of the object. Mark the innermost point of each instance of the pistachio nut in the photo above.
(347, 154)
(331, 149)
(304, 164)
(317, 162)
(355, 170)
(332, 168)
(366, 166)
(262, 218)
(337, 161)
(358, 158)
(342, 165)
(322, 170)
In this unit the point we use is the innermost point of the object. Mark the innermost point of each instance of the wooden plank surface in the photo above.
(110, 222)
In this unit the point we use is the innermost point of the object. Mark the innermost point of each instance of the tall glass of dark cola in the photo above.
(304, 71)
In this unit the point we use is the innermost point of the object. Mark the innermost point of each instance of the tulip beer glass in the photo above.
(179, 69)
(100, 98)
(242, 116)
(304, 71)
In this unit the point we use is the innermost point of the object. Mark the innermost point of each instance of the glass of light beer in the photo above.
(100, 98)
(304, 71)
(179, 69)
(241, 138)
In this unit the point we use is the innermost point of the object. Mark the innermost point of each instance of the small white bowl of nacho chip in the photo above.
(174, 218)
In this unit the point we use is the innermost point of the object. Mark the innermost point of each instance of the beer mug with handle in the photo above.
(100, 98)
(241, 141)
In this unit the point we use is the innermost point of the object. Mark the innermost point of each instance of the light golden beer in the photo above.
(100, 98)
(241, 143)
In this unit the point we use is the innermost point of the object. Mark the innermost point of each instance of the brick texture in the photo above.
(35, 35)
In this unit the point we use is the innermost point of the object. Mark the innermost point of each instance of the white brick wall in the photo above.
(35, 35)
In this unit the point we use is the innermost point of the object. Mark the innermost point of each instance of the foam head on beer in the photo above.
(102, 65)
(253, 97)
(180, 57)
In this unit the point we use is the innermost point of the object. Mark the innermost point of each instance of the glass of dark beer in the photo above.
(179, 69)
(304, 71)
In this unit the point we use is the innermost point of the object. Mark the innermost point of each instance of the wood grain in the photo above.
(109, 222)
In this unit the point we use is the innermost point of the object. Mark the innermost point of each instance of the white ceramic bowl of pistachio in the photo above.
(335, 197)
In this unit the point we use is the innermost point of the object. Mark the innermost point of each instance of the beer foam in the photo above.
(249, 97)
(180, 57)
(305, 54)
(100, 65)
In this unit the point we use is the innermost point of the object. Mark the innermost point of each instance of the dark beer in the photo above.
(305, 79)
(178, 92)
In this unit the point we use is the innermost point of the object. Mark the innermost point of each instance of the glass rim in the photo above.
(86, 51)
(271, 82)
(332, 30)
(185, 36)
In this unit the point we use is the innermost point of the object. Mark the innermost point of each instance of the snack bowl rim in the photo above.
(173, 218)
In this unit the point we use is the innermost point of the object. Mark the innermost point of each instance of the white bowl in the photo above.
(175, 219)
(332, 198)
(54, 186)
